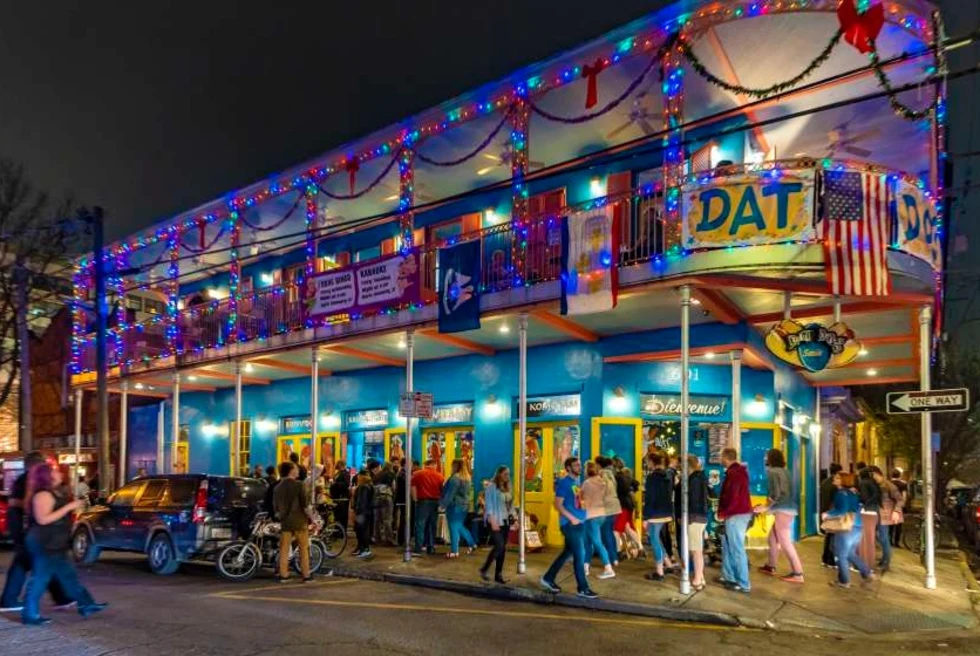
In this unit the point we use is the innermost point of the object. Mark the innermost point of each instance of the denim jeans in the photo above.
(593, 540)
(498, 550)
(427, 512)
(884, 539)
(609, 537)
(845, 546)
(17, 577)
(574, 549)
(455, 517)
(655, 529)
(49, 565)
(734, 559)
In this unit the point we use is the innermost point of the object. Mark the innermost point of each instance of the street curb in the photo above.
(512, 593)
(972, 585)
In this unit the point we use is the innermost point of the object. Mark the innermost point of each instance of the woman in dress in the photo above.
(48, 541)
(499, 502)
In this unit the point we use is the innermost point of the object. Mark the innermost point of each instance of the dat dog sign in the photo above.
(813, 346)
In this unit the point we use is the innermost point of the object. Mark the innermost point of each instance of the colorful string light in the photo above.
(234, 275)
(310, 270)
(173, 330)
(672, 87)
(520, 192)
(406, 190)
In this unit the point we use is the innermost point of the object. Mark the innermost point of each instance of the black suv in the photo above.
(171, 519)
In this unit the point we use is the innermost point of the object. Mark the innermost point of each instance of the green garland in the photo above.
(777, 88)
(899, 108)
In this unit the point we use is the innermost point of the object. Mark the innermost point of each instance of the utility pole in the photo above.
(101, 365)
(25, 407)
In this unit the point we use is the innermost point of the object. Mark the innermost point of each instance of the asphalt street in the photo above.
(195, 612)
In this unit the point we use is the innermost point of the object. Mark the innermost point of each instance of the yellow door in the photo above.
(328, 451)
(447, 444)
(289, 444)
(547, 446)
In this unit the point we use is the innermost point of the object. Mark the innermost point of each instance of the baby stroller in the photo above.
(713, 535)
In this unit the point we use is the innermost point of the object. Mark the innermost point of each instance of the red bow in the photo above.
(202, 225)
(353, 166)
(591, 72)
(860, 30)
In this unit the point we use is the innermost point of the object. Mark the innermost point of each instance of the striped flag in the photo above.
(855, 232)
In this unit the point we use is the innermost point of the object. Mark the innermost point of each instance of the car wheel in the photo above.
(83, 548)
(162, 556)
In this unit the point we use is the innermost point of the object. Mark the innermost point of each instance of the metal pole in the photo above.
(175, 424)
(160, 437)
(409, 388)
(736, 440)
(25, 410)
(123, 430)
(236, 442)
(521, 435)
(101, 363)
(685, 427)
(314, 419)
(78, 437)
(925, 360)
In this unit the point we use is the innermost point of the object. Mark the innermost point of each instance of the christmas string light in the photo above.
(243, 217)
(672, 88)
(234, 276)
(520, 193)
(311, 213)
(476, 151)
(173, 271)
(406, 190)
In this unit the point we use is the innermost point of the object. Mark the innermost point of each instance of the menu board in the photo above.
(365, 286)
(719, 439)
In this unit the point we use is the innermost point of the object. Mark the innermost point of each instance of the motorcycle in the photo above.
(242, 559)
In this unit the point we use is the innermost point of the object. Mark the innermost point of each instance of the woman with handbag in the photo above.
(892, 503)
(844, 521)
(499, 504)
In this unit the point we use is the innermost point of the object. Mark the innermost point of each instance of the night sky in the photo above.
(149, 109)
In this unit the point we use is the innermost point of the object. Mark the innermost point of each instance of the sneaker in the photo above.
(37, 621)
(484, 575)
(549, 586)
(653, 576)
(793, 577)
(735, 587)
(721, 580)
(11, 609)
(306, 579)
(587, 594)
(607, 574)
(91, 609)
(828, 566)
(768, 570)
(843, 586)
(68, 606)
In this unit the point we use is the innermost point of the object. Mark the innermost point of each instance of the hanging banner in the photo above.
(365, 287)
(590, 246)
(758, 207)
(812, 346)
(917, 230)
(459, 284)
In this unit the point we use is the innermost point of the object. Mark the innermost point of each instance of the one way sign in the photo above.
(951, 400)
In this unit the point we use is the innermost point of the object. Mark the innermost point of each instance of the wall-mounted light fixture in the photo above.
(619, 403)
(492, 407)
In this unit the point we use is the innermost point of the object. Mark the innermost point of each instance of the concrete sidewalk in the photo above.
(896, 603)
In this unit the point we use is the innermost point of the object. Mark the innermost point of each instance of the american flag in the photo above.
(855, 232)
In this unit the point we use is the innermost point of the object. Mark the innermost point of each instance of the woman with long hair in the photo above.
(593, 491)
(363, 509)
(658, 509)
(499, 503)
(847, 509)
(457, 494)
(698, 493)
(784, 509)
(48, 540)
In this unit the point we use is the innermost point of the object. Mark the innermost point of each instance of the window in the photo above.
(134, 303)
(125, 496)
(152, 493)
(244, 437)
(293, 276)
(183, 491)
(367, 253)
(154, 306)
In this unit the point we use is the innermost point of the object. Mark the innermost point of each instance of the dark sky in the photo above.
(150, 108)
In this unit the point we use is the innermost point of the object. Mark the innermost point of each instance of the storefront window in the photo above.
(534, 447)
(374, 445)
(567, 443)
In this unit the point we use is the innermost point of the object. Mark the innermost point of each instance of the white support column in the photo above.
(521, 432)
(175, 424)
(928, 493)
(123, 430)
(685, 428)
(79, 397)
(314, 418)
(736, 439)
(409, 388)
(236, 441)
(161, 430)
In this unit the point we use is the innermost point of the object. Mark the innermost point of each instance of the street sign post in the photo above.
(415, 404)
(949, 400)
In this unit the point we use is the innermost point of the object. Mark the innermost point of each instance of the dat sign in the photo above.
(917, 233)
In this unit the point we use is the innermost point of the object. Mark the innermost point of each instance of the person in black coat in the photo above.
(698, 496)
(340, 493)
(271, 480)
(658, 509)
(827, 492)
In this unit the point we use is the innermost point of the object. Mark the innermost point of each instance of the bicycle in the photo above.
(241, 560)
(330, 532)
(914, 533)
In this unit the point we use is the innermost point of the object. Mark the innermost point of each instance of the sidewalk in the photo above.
(896, 603)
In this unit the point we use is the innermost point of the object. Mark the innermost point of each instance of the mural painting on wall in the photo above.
(396, 449)
(534, 443)
(566, 444)
(813, 346)
(435, 449)
(749, 208)
(464, 450)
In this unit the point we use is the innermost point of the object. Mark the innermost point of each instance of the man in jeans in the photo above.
(290, 500)
(735, 508)
(827, 492)
(21, 564)
(572, 520)
(426, 492)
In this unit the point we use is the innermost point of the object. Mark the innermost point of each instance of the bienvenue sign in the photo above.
(669, 405)
(366, 286)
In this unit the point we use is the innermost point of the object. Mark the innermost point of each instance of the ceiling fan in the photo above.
(421, 195)
(640, 115)
(842, 141)
(504, 159)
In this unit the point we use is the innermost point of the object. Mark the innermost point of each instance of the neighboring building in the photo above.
(327, 276)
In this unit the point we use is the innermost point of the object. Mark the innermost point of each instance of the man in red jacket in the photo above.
(735, 508)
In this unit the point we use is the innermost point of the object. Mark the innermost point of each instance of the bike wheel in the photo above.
(334, 539)
(239, 561)
(316, 557)
(912, 537)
